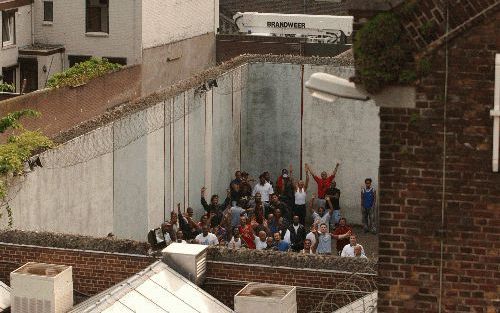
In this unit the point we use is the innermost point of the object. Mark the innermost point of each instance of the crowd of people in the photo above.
(264, 215)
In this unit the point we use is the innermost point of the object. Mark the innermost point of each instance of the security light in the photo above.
(212, 83)
(330, 87)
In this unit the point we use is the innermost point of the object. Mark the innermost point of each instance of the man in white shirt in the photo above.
(348, 250)
(180, 235)
(264, 188)
(206, 238)
(260, 242)
(236, 241)
(320, 216)
(311, 236)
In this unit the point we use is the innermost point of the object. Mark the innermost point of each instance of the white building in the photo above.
(43, 37)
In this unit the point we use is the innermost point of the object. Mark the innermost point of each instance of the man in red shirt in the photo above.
(342, 234)
(324, 181)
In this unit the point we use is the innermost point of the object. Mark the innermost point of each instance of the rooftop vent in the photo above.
(189, 260)
(41, 288)
(266, 298)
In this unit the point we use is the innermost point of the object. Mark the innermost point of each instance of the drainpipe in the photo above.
(495, 113)
(32, 25)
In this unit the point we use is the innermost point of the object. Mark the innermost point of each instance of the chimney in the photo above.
(41, 288)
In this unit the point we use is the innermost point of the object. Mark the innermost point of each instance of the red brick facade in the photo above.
(411, 182)
(224, 280)
(281, 6)
(93, 271)
(63, 108)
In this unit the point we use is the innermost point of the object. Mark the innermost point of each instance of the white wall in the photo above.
(173, 20)
(347, 132)
(125, 177)
(73, 192)
(68, 28)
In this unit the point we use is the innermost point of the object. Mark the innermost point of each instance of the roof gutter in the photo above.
(12, 4)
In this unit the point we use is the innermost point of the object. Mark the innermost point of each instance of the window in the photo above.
(74, 59)
(121, 61)
(97, 16)
(48, 11)
(8, 28)
(9, 75)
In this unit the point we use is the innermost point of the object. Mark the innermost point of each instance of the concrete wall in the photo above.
(347, 132)
(126, 176)
(282, 124)
(271, 118)
(170, 21)
(164, 65)
(68, 28)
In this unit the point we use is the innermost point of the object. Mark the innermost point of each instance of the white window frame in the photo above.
(495, 113)
(12, 28)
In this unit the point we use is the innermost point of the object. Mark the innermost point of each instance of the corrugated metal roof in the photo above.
(4, 297)
(156, 289)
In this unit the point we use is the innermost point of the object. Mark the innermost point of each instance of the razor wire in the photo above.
(119, 134)
(351, 289)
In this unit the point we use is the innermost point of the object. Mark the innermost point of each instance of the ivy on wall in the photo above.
(383, 53)
(19, 147)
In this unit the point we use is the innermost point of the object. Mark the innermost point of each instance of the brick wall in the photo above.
(281, 6)
(231, 46)
(93, 271)
(63, 108)
(225, 279)
(425, 22)
(411, 184)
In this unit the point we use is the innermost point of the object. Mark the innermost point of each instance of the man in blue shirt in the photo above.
(279, 244)
(368, 200)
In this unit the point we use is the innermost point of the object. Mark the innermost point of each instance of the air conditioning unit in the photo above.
(190, 260)
(41, 288)
(266, 298)
(4, 297)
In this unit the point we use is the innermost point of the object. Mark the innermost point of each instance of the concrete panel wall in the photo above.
(347, 132)
(196, 159)
(270, 126)
(130, 168)
(177, 152)
(124, 178)
(222, 142)
(69, 194)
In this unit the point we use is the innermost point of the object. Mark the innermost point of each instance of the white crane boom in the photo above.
(317, 28)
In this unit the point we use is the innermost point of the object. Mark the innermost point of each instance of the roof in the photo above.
(158, 288)
(11, 4)
(4, 297)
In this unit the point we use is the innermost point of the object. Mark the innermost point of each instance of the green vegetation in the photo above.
(4, 87)
(382, 53)
(83, 72)
(16, 151)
